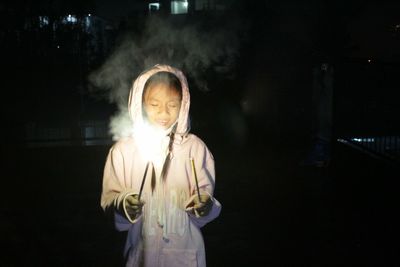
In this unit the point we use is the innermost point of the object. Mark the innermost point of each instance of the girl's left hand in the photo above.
(202, 206)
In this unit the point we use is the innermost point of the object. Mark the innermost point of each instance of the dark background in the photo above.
(274, 210)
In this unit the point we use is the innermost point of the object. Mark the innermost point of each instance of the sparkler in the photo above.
(144, 179)
(149, 144)
(195, 178)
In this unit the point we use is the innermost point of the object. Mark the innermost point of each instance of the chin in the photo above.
(162, 127)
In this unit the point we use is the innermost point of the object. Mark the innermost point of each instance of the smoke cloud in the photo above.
(196, 48)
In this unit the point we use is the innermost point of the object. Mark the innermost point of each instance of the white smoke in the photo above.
(194, 48)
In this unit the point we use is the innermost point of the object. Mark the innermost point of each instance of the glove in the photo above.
(133, 206)
(201, 207)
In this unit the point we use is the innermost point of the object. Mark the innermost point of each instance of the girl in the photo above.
(160, 181)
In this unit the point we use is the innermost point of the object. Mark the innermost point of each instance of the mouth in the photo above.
(162, 123)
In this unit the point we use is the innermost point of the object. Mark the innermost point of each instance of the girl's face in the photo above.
(162, 105)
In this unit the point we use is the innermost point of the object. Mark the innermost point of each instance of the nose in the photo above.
(163, 109)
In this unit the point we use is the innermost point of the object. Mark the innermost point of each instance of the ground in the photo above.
(275, 212)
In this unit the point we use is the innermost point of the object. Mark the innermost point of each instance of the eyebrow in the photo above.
(177, 99)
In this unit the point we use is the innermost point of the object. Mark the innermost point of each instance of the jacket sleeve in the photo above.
(205, 168)
(114, 189)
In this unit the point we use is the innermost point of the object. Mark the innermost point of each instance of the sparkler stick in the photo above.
(195, 177)
(144, 179)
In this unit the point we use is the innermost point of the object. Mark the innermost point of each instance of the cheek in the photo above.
(176, 113)
(175, 116)
(148, 111)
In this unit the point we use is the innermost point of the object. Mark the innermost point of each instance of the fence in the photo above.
(87, 133)
(367, 109)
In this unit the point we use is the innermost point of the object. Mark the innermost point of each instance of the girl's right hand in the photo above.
(133, 206)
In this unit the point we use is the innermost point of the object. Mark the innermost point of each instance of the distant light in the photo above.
(363, 140)
(70, 19)
(87, 22)
(89, 14)
(58, 46)
(43, 21)
(154, 6)
(369, 60)
(397, 26)
(179, 7)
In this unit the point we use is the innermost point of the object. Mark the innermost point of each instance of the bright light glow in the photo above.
(152, 142)
(369, 60)
(89, 14)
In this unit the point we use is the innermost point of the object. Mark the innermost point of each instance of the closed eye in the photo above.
(173, 104)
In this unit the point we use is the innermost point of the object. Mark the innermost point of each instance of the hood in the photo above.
(136, 93)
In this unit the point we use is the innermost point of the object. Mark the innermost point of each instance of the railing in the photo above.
(367, 109)
(382, 147)
(87, 133)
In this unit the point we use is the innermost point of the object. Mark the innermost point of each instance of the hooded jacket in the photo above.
(167, 233)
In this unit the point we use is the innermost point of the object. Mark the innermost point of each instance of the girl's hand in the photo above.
(133, 206)
(202, 206)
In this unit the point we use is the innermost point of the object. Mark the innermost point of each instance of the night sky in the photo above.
(285, 35)
(371, 24)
